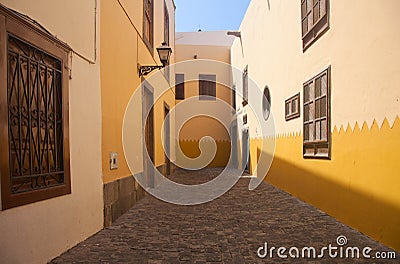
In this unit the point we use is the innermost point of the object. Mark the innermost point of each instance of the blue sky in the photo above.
(209, 14)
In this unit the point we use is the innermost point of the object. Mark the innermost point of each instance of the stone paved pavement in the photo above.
(229, 229)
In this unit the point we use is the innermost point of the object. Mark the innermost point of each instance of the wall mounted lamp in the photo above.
(234, 33)
(237, 34)
(164, 52)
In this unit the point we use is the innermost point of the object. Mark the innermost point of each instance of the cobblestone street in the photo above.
(229, 229)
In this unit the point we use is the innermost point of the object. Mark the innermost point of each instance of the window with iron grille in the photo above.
(314, 20)
(148, 24)
(245, 81)
(207, 87)
(179, 86)
(33, 113)
(316, 121)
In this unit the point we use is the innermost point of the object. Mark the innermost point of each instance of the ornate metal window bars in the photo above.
(34, 117)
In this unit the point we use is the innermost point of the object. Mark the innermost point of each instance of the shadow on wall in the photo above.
(374, 217)
(359, 186)
(119, 197)
(191, 149)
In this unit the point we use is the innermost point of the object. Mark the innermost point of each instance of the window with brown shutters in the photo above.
(34, 137)
(207, 87)
(292, 107)
(245, 119)
(234, 97)
(166, 24)
(179, 87)
(148, 23)
(316, 121)
(314, 20)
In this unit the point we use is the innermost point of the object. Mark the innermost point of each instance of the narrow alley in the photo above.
(229, 229)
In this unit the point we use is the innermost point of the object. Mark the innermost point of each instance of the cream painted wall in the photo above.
(187, 52)
(37, 232)
(56, 17)
(218, 38)
(192, 85)
(191, 68)
(362, 51)
(361, 46)
(198, 127)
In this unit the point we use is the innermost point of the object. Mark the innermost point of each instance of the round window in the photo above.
(266, 103)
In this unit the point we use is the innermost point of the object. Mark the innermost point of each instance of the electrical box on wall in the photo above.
(113, 160)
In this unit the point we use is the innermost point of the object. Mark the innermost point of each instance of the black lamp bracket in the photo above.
(146, 69)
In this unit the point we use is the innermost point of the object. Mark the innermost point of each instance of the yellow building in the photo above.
(196, 81)
(131, 32)
(331, 74)
(50, 128)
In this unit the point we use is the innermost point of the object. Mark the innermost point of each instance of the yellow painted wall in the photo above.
(191, 149)
(202, 126)
(168, 99)
(122, 48)
(38, 232)
(359, 185)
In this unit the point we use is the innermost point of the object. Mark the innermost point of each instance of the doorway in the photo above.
(148, 124)
(167, 139)
(246, 151)
(234, 154)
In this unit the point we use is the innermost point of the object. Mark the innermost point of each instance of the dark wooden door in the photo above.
(149, 136)
(167, 140)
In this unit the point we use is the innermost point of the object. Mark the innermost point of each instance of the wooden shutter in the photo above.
(207, 86)
(245, 86)
(292, 107)
(148, 23)
(316, 122)
(166, 24)
(314, 20)
(180, 87)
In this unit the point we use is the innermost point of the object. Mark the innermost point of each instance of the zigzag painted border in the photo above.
(349, 128)
(374, 125)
